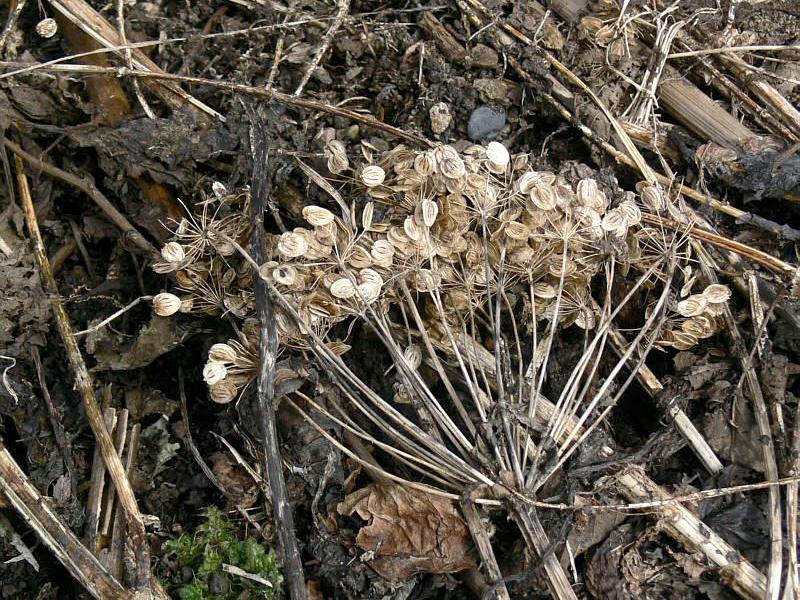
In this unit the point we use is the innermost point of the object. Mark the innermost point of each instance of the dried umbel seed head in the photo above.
(716, 293)
(440, 117)
(166, 304)
(498, 157)
(214, 372)
(46, 28)
(221, 353)
(318, 216)
(173, 252)
(372, 176)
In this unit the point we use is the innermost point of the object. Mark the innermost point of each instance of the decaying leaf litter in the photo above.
(509, 287)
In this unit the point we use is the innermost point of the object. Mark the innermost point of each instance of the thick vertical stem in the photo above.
(268, 349)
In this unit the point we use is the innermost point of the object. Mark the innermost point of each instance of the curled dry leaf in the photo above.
(409, 531)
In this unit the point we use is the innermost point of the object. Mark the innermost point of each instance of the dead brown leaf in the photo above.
(409, 531)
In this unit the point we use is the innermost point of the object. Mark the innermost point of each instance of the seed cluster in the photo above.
(454, 229)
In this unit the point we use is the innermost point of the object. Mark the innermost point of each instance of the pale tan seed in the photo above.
(343, 289)
(517, 231)
(369, 291)
(318, 216)
(359, 258)
(166, 304)
(284, 275)
(424, 164)
(382, 252)
(214, 372)
(692, 306)
(716, 293)
(683, 341)
(633, 216)
(221, 353)
(370, 276)
(543, 290)
(430, 210)
(412, 356)
(412, 230)
(173, 252)
(498, 157)
(367, 215)
(222, 392)
(292, 244)
(543, 197)
(372, 176)
(46, 28)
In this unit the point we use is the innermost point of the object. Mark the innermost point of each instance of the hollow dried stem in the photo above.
(84, 385)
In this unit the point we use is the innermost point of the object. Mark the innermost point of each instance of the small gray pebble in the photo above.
(486, 122)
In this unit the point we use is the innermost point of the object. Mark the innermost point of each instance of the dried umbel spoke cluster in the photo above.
(448, 228)
(694, 317)
(212, 278)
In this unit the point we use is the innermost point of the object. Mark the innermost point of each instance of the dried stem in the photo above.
(36, 511)
(129, 234)
(268, 350)
(684, 526)
(83, 382)
(342, 6)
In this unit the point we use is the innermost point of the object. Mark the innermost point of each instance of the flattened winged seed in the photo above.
(486, 122)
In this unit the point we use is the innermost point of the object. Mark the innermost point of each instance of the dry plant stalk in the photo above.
(34, 509)
(684, 526)
(83, 382)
